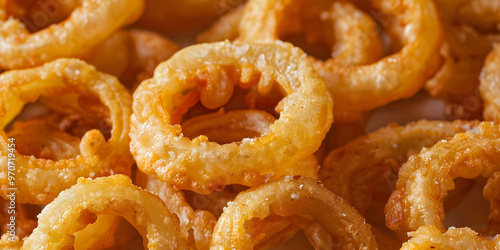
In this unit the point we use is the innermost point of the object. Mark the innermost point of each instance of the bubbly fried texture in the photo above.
(305, 116)
(426, 178)
(429, 237)
(40, 180)
(300, 201)
(353, 170)
(22, 49)
(80, 205)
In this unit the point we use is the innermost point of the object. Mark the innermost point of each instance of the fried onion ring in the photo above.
(353, 170)
(96, 19)
(298, 200)
(41, 180)
(489, 86)
(80, 205)
(429, 237)
(160, 148)
(425, 179)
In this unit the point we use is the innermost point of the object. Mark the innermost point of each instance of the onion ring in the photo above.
(353, 170)
(306, 114)
(489, 86)
(198, 224)
(79, 206)
(131, 55)
(295, 199)
(41, 180)
(425, 178)
(97, 20)
(470, 31)
(429, 237)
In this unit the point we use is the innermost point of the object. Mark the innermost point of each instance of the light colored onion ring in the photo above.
(96, 19)
(160, 149)
(425, 179)
(295, 199)
(39, 181)
(77, 207)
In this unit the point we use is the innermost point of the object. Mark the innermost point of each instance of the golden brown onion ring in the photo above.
(430, 237)
(489, 86)
(80, 205)
(192, 223)
(39, 181)
(353, 170)
(298, 200)
(325, 22)
(425, 179)
(96, 19)
(160, 149)
(471, 30)
(131, 55)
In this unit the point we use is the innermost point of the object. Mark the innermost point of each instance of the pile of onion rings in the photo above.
(64, 148)
(233, 124)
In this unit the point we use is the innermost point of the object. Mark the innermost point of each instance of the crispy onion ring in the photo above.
(270, 20)
(79, 206)
(429, 237)
(391, 78)
(131, 55)
(306, 114)
(20, 49)
(470, 31)
(353, 170)
(41, 180)
(426, 178)
(192, 223)
(297, 200)
(489, 86)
